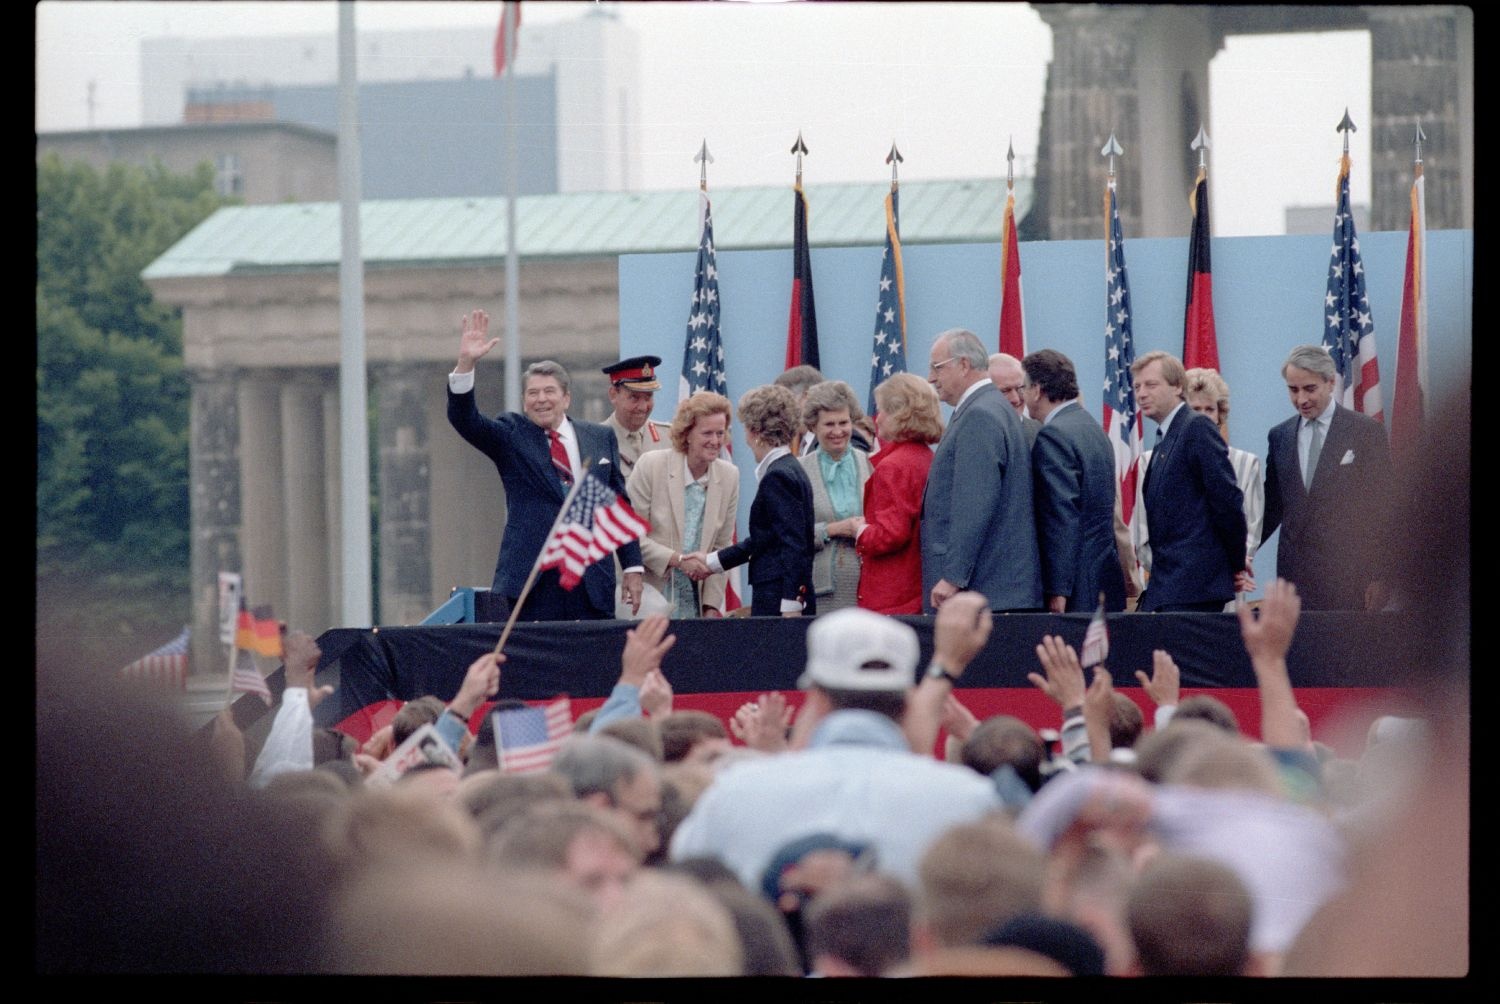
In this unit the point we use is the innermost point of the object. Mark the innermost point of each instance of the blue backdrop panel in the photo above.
(1268, 297)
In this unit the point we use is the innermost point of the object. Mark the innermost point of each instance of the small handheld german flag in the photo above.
(258, 631)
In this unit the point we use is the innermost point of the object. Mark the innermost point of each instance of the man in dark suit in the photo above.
(1009, 378)
(1191, 497)
(1328, 478)
(1073, 486)
(978, 531)
(539, 456)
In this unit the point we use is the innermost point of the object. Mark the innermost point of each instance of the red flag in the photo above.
(1012, 311)
(505, 48)
(596, 522)
(1200, 346)
(802, 321)
(1411, 348)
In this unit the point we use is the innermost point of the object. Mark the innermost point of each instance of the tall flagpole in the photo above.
(354, 431)
(512, 264)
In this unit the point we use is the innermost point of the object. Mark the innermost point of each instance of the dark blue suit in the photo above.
(1073, 484)
(978, 529)
(534, 494)
(779, 546)
(1321, 530)
(1194, 504)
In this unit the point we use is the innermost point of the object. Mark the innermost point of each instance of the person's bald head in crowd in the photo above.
(613, 775)
(1008, 376)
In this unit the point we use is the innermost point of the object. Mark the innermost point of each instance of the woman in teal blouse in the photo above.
(838, 471)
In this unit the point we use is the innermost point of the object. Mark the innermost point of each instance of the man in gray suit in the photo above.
(978, 531)
(1073, 481)
(1006, 374)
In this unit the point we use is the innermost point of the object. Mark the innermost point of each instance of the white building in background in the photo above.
(594, 60)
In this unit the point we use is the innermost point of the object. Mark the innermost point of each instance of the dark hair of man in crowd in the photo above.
(864, 922)
(496, 797)
(682, 730)
(883, 702)
(767, 944)
(638, 732)
(1156, 753)
(413, 715)
(1053, 372)
(1189, 917)
(1004, 739)
(1207, 708)
(1125, 722)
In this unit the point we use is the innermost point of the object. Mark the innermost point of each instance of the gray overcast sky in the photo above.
(951, 82)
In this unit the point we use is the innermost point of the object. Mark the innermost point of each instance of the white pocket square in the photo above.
(604, 461)
(1348, 458)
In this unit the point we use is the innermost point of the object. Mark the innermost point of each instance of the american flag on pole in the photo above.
(595, 523)
(166, 665)
(1411, 347)
(246, 679)
(888, 355)
(1012, 306)
(1096, 640)
(528, 738)
(1122, 419)
(1348, 330)
(703, 350)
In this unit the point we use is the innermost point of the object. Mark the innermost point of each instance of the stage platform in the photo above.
(1336, 660)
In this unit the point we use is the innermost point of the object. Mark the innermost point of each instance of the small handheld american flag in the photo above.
(597, 521)
(528, 738)
(1096, 639)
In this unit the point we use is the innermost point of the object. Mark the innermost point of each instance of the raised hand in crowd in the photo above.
(481, 682)
(763, 724)
(656, 695)
(959, 632)
(1267, 640)
(1064, 674)
(228, 745)
(1097, 701)
(646, 645)
(301, 660)
(1164, 685)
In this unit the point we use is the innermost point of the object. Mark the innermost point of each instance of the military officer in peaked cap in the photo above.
(632, 391)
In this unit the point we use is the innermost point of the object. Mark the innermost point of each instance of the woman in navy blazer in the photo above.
(779, 546)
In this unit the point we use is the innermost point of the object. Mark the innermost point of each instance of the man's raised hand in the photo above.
(474, 340)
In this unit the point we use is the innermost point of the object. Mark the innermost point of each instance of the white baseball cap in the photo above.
(856, 649)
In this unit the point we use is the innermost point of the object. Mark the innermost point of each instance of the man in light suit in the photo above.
(539, 456)
(1008, 376)
(1328, 479)
(978, 531)
(1073, 486)
(1191, 498)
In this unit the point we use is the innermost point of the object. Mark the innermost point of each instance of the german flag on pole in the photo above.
(1012, 311)
(1200, 346)
(802, 320)
(1411, 347)
(258, 632)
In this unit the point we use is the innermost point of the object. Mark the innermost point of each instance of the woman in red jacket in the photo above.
(908, 419)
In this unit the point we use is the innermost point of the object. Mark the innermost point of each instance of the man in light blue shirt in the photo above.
(857, 779)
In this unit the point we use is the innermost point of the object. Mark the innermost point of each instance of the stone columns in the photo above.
(304, 504)
(402, 393)
(214, 473)
(1422, 67)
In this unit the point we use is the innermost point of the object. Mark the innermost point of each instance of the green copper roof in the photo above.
(393, 232)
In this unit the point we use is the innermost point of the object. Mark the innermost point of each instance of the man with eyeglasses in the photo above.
(1009, 376)
(978, 529)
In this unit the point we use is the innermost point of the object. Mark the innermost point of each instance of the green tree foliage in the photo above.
(112, 398)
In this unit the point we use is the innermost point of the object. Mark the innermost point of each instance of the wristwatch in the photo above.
(937, 671)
